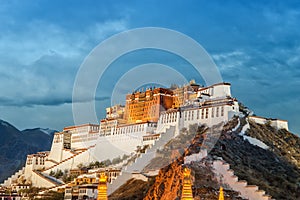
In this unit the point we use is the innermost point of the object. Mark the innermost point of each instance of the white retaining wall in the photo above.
(38, 180)
(72, 162)
(141, 162)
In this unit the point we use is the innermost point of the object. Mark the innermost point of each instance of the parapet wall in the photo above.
(276, 123)
(39, 181)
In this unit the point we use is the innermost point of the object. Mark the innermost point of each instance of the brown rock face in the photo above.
(132, 190)
(167, 184)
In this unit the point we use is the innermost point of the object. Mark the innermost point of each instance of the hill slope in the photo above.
(274, 169)
(267, 168)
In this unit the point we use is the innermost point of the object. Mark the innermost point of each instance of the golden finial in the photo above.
(103, 178)
(187, 193)
(102, 187)
(186, 172)
(221, 195)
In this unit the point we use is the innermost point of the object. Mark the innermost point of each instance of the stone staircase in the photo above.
(67, 159)
(142, 161)
(13, 177)
(246, 191)
(223, 171)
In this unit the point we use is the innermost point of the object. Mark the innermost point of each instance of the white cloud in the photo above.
(104, 29)
(231, 60)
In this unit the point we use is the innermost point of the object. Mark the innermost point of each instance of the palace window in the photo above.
(217, 114)
(212, 112)
(206, 114)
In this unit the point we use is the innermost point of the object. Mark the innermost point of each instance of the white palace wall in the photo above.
(207, 115)
(56, 148)
(277, 123)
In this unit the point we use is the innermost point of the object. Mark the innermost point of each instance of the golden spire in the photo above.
(102, 187)
(221, 195)
(187, 193)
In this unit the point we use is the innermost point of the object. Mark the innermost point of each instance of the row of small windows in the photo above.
(153, 102)
(38, 161)
(129, 129)
(203, 113)
(169, 118)
(84, 139)
(94, 128)
(146, 109)
(189, 115)
(218, 111)
(82, 191)
(150, 138)
(42, 161)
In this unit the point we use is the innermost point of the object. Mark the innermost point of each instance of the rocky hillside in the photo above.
(133, 189)
(168, 183)
(270, 169)
(16, 144)
(282, 142)
(275, 170)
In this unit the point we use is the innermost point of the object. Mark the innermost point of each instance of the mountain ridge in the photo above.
(15, 145)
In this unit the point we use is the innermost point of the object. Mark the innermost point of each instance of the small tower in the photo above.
(102, 187)
(187, 193)
(221, 195)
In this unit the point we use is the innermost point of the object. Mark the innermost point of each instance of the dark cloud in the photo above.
(45, 102)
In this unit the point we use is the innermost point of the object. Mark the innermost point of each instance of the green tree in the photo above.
(116, 160)
(52, 173)
(58, 174)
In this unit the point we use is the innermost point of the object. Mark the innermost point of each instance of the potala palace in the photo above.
(149, 118)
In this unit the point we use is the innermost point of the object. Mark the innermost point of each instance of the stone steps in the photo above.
(251, 192)
(67, 159)
(13, 177)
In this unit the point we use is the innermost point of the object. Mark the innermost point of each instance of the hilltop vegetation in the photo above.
(281, 142)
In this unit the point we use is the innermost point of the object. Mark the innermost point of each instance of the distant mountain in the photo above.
(16, 144)
(39, 137)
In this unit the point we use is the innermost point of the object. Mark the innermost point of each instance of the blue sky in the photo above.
(255, 44)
